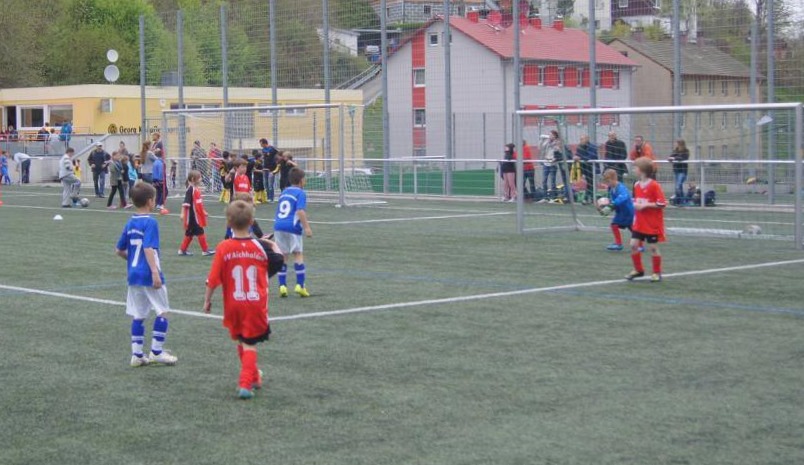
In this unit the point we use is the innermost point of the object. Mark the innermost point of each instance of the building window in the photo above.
(711, 87)
(711, 152)
(724, 152)
(615, 80)
(295, 111)
(622, 3)
(598, 74)
(428, 10)
(419, 118)
(724, 87)
(579, 72)
(724, 120)
(711, 119)
(418, 78)
(388, 12)
(738, 120)
(560, 76)
(60, 114)
(698, 86)
(433, 40)
(683, 87)
(541, 75)
(657, 4)
(682, 118)
(737, 88)
(31, 117)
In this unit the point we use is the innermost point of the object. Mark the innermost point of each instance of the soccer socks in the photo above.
(618, 237)
(248, 369)
(159, 332)
(137, 337)
(185, 244)
(202, 240)
(240, 352)
(637, 259)
(300, 272)
(657, 264)
(283, 276)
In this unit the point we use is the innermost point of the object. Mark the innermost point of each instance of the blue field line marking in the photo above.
(799, 313)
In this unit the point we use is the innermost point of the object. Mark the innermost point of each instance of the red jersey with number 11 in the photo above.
(241, 268)
(242, 184)
(649, 221)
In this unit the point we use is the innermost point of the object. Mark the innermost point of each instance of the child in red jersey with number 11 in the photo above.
(649, 203)
(242, 267)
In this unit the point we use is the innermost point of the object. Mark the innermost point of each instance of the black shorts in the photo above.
(255, 340)
(194, 230)
(649, 238)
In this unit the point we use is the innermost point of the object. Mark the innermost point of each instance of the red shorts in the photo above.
(249, 326)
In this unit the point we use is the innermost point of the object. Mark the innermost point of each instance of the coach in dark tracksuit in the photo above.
(98, 161)
(616, 150)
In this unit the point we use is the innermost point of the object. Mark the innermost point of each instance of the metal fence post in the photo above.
(592, 120)
(341, 158)
(799, 189)
(143, 78)
(327, 99)
(677, 67)
(771, 99)
(272, 38)
(180, 36)
(386, 136)
(447, 97)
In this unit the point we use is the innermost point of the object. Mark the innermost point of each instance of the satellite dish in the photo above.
(111, 73)
(112, 55)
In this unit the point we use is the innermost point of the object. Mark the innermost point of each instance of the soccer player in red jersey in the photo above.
(649, 203)
(242, 183)
(242, 266)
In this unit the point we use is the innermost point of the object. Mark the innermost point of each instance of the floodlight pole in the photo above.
(143, 119)
(386, 127)
(517, 129)
(180, 36)
(447, 38)
(327, 99)
(799, 189)
(677, 67)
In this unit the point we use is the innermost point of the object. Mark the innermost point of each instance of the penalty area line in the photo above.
(428, 302)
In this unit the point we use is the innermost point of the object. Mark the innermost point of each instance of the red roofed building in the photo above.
(555, 74)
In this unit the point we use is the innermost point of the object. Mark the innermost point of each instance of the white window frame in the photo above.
(737, 88)
(711, 119)
(579, 77)
(45, 114)
(724, 152)
(615, 79)
(58, 106)
(711, 86)
(430, 39)
(295, 112)
(738, 120)
(419, 72)
(698, 86)
(711, 152)
(561, 76)
(683, 87)
(724, 87)
(724, 120)
(541, 76)
(423, 112)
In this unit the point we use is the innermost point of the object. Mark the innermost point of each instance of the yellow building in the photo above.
(115, 109)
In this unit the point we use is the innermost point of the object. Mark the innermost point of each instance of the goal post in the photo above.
(314, 136)
(739, 181)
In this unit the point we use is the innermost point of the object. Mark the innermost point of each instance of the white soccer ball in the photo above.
(603, 202)
(84, 202)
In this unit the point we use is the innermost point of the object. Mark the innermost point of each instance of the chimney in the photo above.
(558, 24)
(536, 22)
(473, 16)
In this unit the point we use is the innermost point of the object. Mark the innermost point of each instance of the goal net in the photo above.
(742, 179)
(314, 137)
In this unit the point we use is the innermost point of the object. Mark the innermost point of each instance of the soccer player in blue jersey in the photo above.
(139, 246)
(623, 205)
(289, 225)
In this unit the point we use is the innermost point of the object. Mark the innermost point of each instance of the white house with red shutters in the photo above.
(555, 74)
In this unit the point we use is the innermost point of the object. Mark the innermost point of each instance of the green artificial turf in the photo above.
(700, 369)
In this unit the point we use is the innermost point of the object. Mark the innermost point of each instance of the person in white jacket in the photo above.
(71, 185)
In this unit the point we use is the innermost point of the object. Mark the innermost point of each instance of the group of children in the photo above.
(256, 169)
(243, 263)
(642, 214)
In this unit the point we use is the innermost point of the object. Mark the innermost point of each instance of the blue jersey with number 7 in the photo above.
(291, 201)
(140, 233)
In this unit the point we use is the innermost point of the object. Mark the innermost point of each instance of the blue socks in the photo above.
(299, 268)
(159, 332)
(137, 337)
(283, 276)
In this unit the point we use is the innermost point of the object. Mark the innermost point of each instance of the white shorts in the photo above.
(141, 300)
(288, 242)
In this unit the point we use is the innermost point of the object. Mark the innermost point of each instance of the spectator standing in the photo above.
(643, 149)
(508, 172)
(116, 181)
(586, 154)
(269, 163)
(549, 148)
(42, 135)
(159, 181)
(66, 133)
(286, 163)
(679, 159)
(23, 161)
(197, 157)
(50, 145)
(157, 146)
(618, 152)
(98, 162)
(122, 150)
(147, 159)
(71, 185)
(529, 171)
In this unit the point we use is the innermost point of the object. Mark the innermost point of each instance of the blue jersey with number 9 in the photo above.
(291, 201)
(140, 233)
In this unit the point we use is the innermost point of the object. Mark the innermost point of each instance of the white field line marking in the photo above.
(271, 220)
(422, 303)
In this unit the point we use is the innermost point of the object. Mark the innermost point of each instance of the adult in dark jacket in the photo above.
(679, 159)
(616, 151)
(99, 161)
(586, 153)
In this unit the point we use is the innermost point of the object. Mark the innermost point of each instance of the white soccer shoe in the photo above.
(139, 361)
(163, 358)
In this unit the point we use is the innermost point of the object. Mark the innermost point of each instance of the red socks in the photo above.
(202, 240)
(248, 369)
(618, 238)
(657, 264)
(637, 259)
(186, 243)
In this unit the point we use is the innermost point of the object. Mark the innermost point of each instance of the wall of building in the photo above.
(399, 103)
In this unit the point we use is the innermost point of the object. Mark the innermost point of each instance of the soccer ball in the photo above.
(603, 202)
(84, 202)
